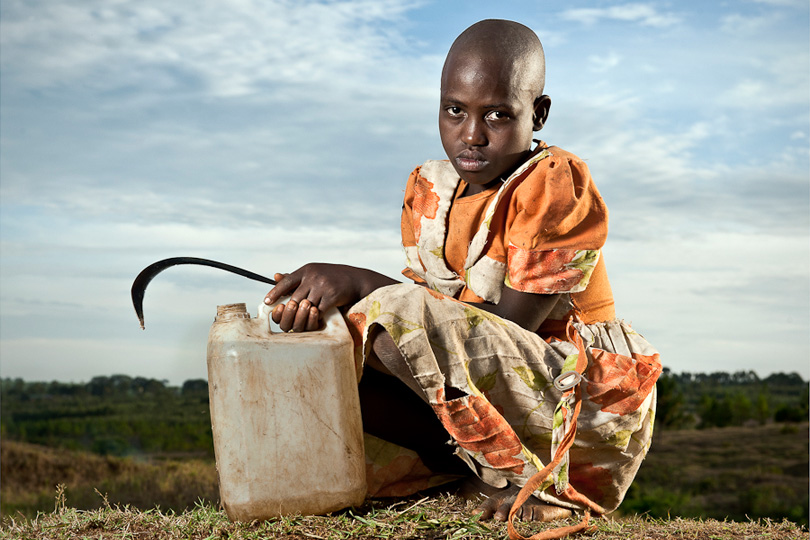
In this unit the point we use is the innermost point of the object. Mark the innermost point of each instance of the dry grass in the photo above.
(441, 516)
(30, 474)
(112, 498)
(734, 472)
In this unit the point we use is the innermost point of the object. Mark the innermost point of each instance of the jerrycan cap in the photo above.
(228, 312)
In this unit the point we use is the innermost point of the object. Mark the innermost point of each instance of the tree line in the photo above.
(117, 415)
(123, 415)
(704, 400)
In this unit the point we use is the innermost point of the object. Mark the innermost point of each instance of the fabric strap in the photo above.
(539, 478)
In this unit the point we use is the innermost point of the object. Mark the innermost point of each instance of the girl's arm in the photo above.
(528, 310)
(317, 287)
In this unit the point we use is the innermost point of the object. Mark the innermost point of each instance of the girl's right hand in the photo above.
(317, 287)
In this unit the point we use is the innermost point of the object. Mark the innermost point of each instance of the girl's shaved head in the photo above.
(514, 48)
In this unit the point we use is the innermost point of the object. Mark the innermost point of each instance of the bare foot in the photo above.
(497, 502)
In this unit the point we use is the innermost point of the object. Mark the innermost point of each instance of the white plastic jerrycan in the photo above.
(285, 413)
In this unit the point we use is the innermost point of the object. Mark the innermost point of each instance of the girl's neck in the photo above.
(474, 189)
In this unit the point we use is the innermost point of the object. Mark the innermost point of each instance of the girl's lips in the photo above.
(470, 164)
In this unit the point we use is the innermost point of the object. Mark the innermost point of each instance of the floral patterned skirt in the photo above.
(518, 396)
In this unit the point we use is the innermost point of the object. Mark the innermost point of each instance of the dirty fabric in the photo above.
(539, 231)
(510, 418)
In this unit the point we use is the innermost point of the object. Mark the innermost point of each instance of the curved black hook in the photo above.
(148, 273)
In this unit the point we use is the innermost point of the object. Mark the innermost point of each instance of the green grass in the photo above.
(439, 516)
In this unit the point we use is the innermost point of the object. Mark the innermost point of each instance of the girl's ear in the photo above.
(541, 107)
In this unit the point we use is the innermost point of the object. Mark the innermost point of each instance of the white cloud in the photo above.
(779, 85)
(644, 14)
(721, 301)
(664, 183)
(188, 111)
(772, 61)
(600, 64)
(750, 25)
(784, 3)
(223, 50)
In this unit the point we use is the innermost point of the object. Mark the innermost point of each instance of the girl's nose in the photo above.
(473, 133)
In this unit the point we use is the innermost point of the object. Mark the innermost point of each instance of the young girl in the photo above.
(504, 361)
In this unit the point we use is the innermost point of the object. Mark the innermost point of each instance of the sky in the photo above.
(271, 133)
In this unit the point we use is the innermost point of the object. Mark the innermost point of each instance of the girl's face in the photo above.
(486, 120)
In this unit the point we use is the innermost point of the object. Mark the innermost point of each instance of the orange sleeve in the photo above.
(408, 237)
(558, 223)
(407, 225)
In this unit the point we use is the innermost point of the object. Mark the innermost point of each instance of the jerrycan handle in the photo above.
(333, 320)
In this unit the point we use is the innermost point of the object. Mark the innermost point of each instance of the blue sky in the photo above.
(267, 134)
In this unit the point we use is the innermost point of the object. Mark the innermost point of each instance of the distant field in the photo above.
(734, 472)
(133, 441)
(31, 473)
(758, 472)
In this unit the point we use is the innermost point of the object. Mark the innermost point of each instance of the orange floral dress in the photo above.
(541, 231)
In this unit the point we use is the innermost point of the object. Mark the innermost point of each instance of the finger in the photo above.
(327, 302)
(314, 321)
(314, 298)
(288, 317)
(277, 312)
(285, 284)
(325, 305)
(302, 293)
(302, 316)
